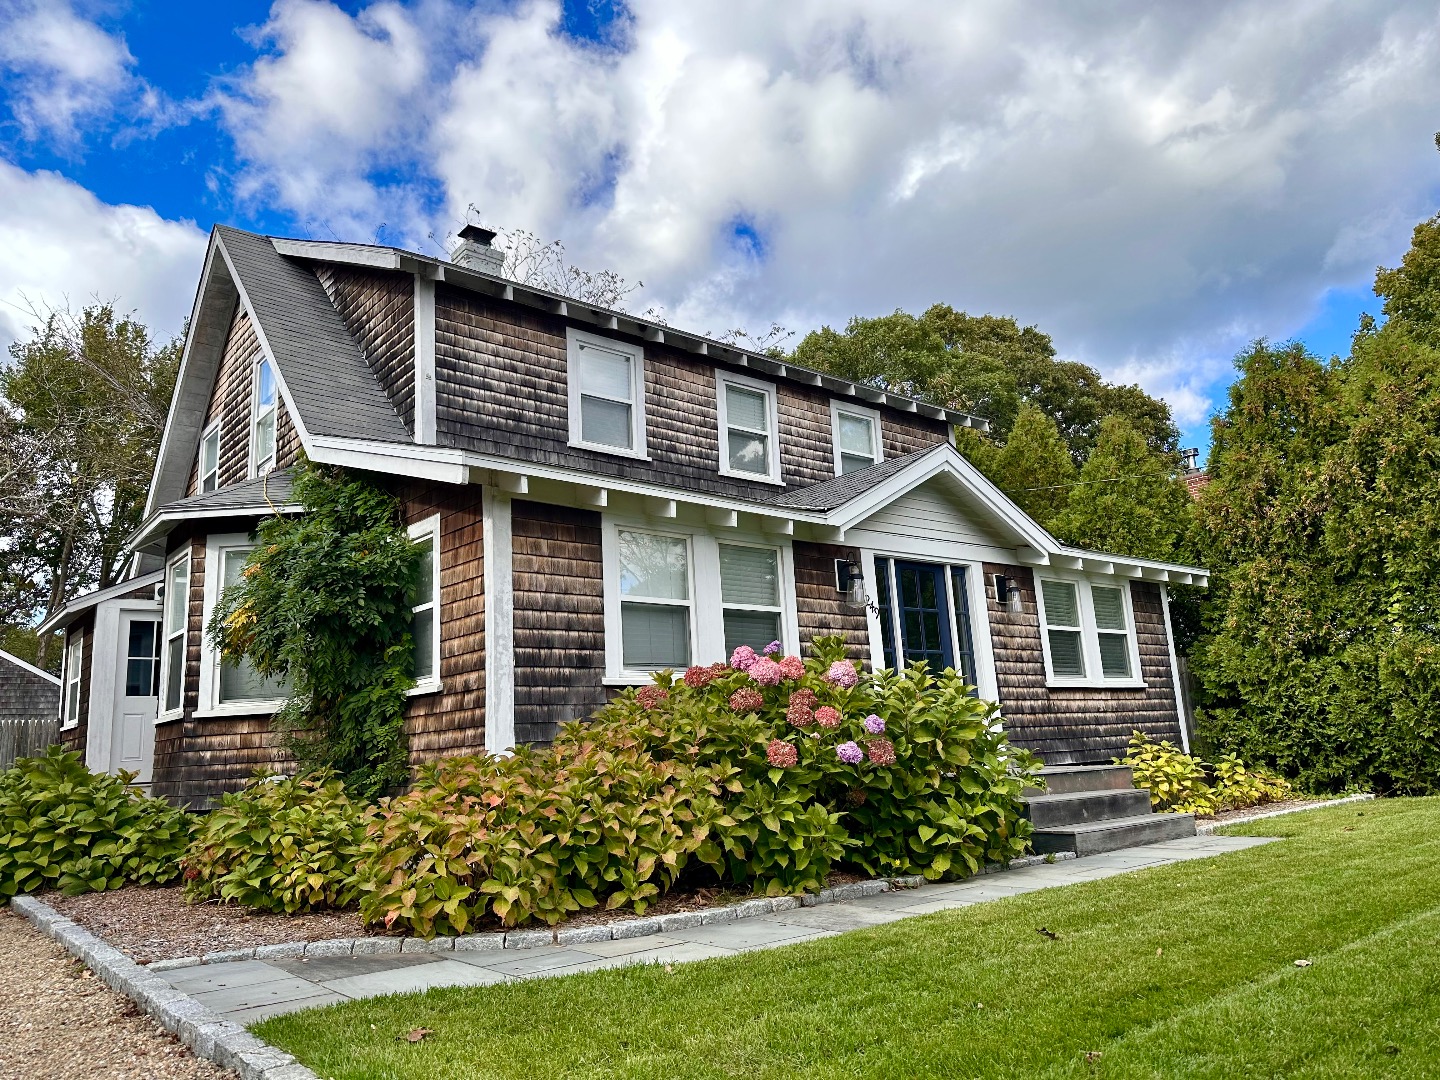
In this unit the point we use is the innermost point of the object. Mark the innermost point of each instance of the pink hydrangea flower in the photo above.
(799, 714)
(650, 696)
(773, 648)
(842, 673)
(850, 753)
(697, 678)
(880, 751)
(781, 754)
(827, 716)
(746, 700)
(792, 667)
(874, 725)
(742, 658)
(765, 671)
(803, 697)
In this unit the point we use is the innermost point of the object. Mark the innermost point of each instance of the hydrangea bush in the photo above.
(769, 769)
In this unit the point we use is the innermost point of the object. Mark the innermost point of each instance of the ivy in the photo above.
(325, 600)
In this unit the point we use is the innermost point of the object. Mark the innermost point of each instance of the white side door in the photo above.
(132, 741)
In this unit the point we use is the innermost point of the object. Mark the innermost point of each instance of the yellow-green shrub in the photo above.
(1178, 782)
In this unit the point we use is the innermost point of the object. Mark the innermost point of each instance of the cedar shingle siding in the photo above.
(75, 738)
(1079, 725)
(502, 389)
(378, 307)
(820, 609)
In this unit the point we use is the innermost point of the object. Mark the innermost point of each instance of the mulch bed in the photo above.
(1264, 808)
(157, 924)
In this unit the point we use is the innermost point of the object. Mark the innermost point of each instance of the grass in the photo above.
(1179, 971)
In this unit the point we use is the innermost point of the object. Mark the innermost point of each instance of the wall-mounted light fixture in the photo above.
(850, 580)
(1007, 594)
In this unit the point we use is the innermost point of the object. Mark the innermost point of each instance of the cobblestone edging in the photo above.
(1211, 826)
(620, 929)
(222, 1041)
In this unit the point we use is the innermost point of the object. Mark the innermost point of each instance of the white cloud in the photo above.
(1150, 184)
(59, 244)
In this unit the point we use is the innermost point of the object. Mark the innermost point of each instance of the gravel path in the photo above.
(57, 1021)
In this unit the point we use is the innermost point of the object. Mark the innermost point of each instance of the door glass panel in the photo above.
(965, 646)
(142, 659)
(924, 616)
(887, 613)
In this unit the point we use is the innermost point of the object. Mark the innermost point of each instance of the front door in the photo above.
(924, 612)
(132, 741)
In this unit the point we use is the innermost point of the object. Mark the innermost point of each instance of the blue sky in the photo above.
(1152, 185)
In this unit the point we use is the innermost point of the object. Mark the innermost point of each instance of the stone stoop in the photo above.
(1089, 809)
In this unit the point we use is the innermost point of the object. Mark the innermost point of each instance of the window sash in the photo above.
(855, 435)
(237, 681)
(425, 611)
(747, 428)
(176, 619)
(70, 706)
(1089, 631)
(263, 426)
(606, 386)
(210, 460)
(747, 616)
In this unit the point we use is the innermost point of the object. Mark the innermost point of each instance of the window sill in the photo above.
(420, 689)
(169, 717)
(245, 708)
(70, 727)
(1095, 684)
(613, 451)
(640, 678)
(756, 478)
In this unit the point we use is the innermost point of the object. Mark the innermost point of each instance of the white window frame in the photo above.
(707, 621)
(430, 527)
(216, 545)
(876, 436)
(212, 431)
(772, 413)
(575, 342)
(778, 609)
(74, 668)
(168, 633)
(1089, 635)
(256, 415)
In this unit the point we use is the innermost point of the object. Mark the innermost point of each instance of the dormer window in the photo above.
(856, 432)
(263, 428)
(209, 466)
(746, 408)
(607, 395)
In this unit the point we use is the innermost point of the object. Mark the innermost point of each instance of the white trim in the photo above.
(200, 473)
(73, 658)
(430, 527)
(772, 418)
(873, 628)
(161, 713)
(216, 546)
(877, 441)
(1089, 637)
(106, 691)
(253, 467)
(707, 619)
(88, 600)
(575, 342)
(1174, 670)
(499, 547)
(31, 668)
(424, 400)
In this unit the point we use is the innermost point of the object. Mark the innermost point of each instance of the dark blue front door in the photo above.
(924, 615)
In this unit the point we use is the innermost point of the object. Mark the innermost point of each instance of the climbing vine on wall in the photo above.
(325, 601)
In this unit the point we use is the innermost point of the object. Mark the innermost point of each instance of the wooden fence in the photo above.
(26, 738)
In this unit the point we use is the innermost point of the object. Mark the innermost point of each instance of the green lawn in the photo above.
(1181, 971)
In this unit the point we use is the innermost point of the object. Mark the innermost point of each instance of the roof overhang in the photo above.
(83, 603)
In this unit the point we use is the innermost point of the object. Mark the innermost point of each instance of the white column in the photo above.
(424, 359)
(499, 623)
(1174, 671)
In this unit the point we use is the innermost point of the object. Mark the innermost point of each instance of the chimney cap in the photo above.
(478, 234)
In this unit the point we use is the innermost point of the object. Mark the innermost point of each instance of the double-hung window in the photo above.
(70, 704)
(176, 615)
(262, 438)
(856, 432)
(239, 684)
(747, 413)
(425, 605)
(1089, 633)
(209, 465)
(607, 394)
(750, 596)
(655, 604)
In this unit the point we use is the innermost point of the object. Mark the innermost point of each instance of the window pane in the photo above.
(750, 576)
(175, 596)
(605, 373)
(746, 408)
(1109, 607)
(654, 566)
(240, 682)
(856, 435)
(606, 423)
(234, 565)
(425, 579)
(423, 630)
(140, 658)
(655, 636)
(749, 453)
(209, 459)
(850, 463)
(1115, 655)
(174, 671)
(1062, 607)
(137, 677)
(266, 395)
(1066, 658)
(72, 702)
(265, 439)
(754, 628)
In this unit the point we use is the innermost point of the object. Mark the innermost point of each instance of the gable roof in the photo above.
(26, 692)
(84, 602)
(14, 661)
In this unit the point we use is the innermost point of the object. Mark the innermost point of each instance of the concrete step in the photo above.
(1092, 838)
(1080, 807)
(1064, 779)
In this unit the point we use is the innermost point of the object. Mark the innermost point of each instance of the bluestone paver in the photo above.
(410, 979)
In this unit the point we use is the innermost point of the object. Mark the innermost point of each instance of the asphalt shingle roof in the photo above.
(24, 695)
(259, 494)
(829, 494)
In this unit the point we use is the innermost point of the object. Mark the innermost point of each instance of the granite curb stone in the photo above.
(526, 939)
(333, 947)
(469, 943)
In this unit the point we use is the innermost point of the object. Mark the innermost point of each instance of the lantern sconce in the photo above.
(1007, 595)
(850, 580)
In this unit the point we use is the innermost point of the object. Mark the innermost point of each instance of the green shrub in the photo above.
(1178, 782)
(280, 844)
(771, 776)
(65, 827)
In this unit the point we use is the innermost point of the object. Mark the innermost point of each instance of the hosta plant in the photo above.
(279, 844)
(65, 827)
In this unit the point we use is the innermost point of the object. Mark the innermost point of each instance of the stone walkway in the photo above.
(247, 991)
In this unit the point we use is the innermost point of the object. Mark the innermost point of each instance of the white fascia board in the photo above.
(152, 529)
(441, 463)
(1150, 569)
(13, 659)
(89, 600)
(382, 258)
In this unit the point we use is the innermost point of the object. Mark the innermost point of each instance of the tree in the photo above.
(986, 365)
(83, 404)
(1033, 467)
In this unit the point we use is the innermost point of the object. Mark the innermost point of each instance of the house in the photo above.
(600, 496)
(29, 699)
